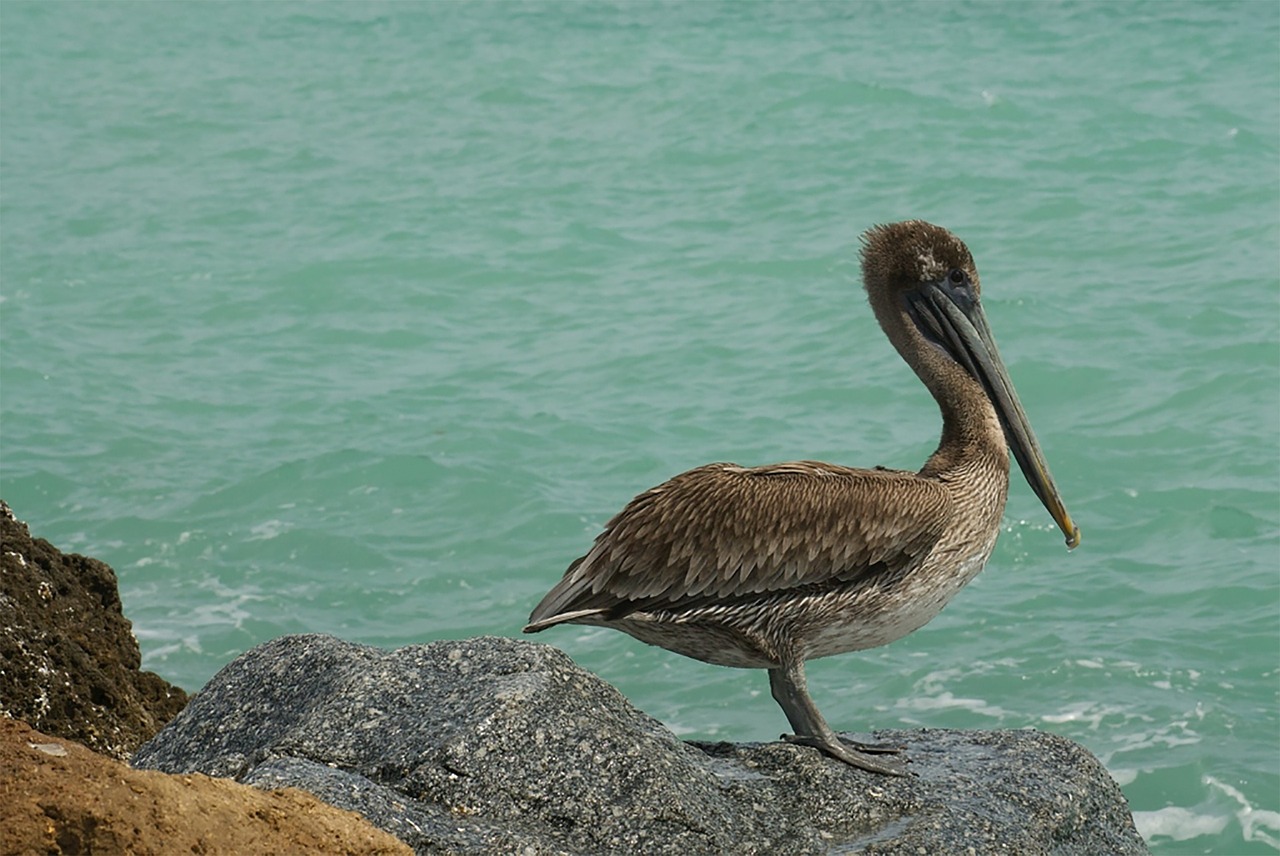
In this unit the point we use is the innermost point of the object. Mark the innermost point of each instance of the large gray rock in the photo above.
(494, 745)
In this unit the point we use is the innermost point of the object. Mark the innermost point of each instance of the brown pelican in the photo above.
(767, 567)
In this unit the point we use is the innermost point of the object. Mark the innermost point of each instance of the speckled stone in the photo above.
(69, 665)
(496, 745)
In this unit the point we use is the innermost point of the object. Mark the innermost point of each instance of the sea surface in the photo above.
(363, 319)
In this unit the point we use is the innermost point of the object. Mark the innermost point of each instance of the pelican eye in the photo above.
(957, 276)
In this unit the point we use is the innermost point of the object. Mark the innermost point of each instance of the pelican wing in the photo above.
(725, 532)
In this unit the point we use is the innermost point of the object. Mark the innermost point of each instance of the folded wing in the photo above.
(723, 532)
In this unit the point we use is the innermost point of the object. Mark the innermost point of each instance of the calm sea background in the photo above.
(363, 319)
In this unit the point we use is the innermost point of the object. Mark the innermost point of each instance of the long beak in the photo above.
(960, 326)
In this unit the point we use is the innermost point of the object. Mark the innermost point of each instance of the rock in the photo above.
(56, 796)
(496, 745)
(71, 666)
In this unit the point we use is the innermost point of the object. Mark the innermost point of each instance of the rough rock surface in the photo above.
(69, 664)
(57, 796)
(495, 745)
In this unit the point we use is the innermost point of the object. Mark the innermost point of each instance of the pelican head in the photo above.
(924, 288)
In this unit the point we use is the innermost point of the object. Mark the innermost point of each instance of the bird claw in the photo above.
(843, 750)
(872, 748)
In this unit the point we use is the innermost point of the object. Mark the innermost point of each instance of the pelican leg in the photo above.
(790, 690)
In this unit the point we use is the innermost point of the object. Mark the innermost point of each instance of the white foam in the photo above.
(946, 700)
(267, 530)
(1123, 777)
(928, 692)
(1178, 823)
(1174, 734)
(1260, 825)
(1088, 712)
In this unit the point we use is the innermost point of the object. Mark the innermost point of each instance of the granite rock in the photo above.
(497, 745)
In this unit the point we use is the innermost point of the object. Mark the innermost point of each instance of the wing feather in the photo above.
(722, 531)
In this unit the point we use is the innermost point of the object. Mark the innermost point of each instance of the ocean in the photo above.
(362, 319)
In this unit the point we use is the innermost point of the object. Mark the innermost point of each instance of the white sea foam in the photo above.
(1181, 823)
(1123, 777)
(1177, 733)
(945, 701)
(1262, 825)
(267, 530)
(1090, 713)
(230, 607)
(929, 692)
(1178, 823)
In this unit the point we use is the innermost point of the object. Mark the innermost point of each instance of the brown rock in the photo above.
(69, 664)
(57, 796)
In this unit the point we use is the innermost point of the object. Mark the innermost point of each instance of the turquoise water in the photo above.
(362, 319)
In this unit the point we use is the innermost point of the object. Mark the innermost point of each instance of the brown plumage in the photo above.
(767, 567)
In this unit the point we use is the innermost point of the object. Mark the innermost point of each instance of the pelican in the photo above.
(767, 567)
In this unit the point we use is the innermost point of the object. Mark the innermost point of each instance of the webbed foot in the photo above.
(872, 748)
(863, 756)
